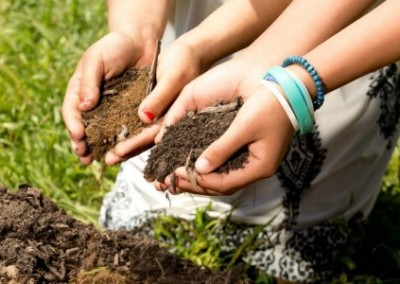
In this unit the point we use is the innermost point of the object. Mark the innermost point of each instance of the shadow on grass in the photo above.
(372, 254)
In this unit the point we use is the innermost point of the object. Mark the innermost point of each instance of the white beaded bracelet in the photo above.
(283, 101)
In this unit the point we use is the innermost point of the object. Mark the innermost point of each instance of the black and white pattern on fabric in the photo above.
(302, 163)
(297, 255)
(308, 253)
(385, 85)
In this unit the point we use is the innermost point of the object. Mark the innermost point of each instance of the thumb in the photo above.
(155, 104)
(92, 73)
(222, 149)
(168, 87)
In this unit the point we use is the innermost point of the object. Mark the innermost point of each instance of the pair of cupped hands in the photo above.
(261, 124)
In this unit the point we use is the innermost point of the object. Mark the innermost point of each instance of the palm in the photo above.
(105, 59)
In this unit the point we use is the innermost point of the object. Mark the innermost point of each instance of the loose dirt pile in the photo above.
(115, 118)
(183, 142)
(41, 244)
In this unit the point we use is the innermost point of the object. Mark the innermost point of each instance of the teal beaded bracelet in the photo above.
(314, 75)
(294, 96)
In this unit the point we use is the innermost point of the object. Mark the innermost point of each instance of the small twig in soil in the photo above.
(172, 187)
(228, 277)
(123, 134)
(60, 275)
(110, 92)
(153, 69)
(116, 259)
(221, 108)
(112, 82)
(191, 171)
(160, 266)
(169, 199)
(70, 251)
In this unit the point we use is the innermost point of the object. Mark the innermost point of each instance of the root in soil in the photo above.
(183, 142)
(40, 243)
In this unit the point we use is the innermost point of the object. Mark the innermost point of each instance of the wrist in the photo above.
(201, 47)
(305, 78)
(142, 41)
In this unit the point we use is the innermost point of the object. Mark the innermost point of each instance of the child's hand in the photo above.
(261, 124)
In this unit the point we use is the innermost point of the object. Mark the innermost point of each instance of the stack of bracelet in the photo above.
(293, 94)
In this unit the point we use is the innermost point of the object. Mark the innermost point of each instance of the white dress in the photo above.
(333, 172)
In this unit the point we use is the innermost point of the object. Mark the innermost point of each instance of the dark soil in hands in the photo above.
(115, 118)
(183, 142)
(41, 244)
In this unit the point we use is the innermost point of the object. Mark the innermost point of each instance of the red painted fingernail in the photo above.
(149, 115)
(84, 100)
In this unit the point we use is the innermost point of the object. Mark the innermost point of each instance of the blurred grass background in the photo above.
(40, 44)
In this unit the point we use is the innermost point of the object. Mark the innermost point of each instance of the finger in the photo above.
(234, 138)
(70, 112)
(202, 92)
(244, 129)
(206, 90)
(132, 146)
(92, 74)
(177, 111)
(177, 66)
(160, 186)
(163, 95)
(87, 160)
(79, 147)
(228, 183)
(72, 116)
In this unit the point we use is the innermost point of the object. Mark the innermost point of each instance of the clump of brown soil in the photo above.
(41, 244)
(115, 118)
(183, 142)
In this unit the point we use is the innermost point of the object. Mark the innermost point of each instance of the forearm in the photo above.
(366, 45)
(149, 17)
(231, 27)
(301, 27)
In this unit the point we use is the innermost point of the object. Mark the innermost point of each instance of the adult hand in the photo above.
(261, 124)
(106, 58)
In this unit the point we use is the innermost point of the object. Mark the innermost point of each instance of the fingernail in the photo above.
(202, 165)
(149, 115)
(84, 100)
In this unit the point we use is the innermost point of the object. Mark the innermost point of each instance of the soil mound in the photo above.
(183, 142)
(41, 244)
(115, 118)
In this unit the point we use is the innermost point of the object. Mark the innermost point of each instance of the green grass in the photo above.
(40, 43)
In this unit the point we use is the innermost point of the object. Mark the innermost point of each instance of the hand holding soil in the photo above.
(115, 118)
(260, 126)
(105, 59)
(183, 143)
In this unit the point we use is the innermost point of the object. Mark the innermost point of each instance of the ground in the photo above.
(42, 244)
